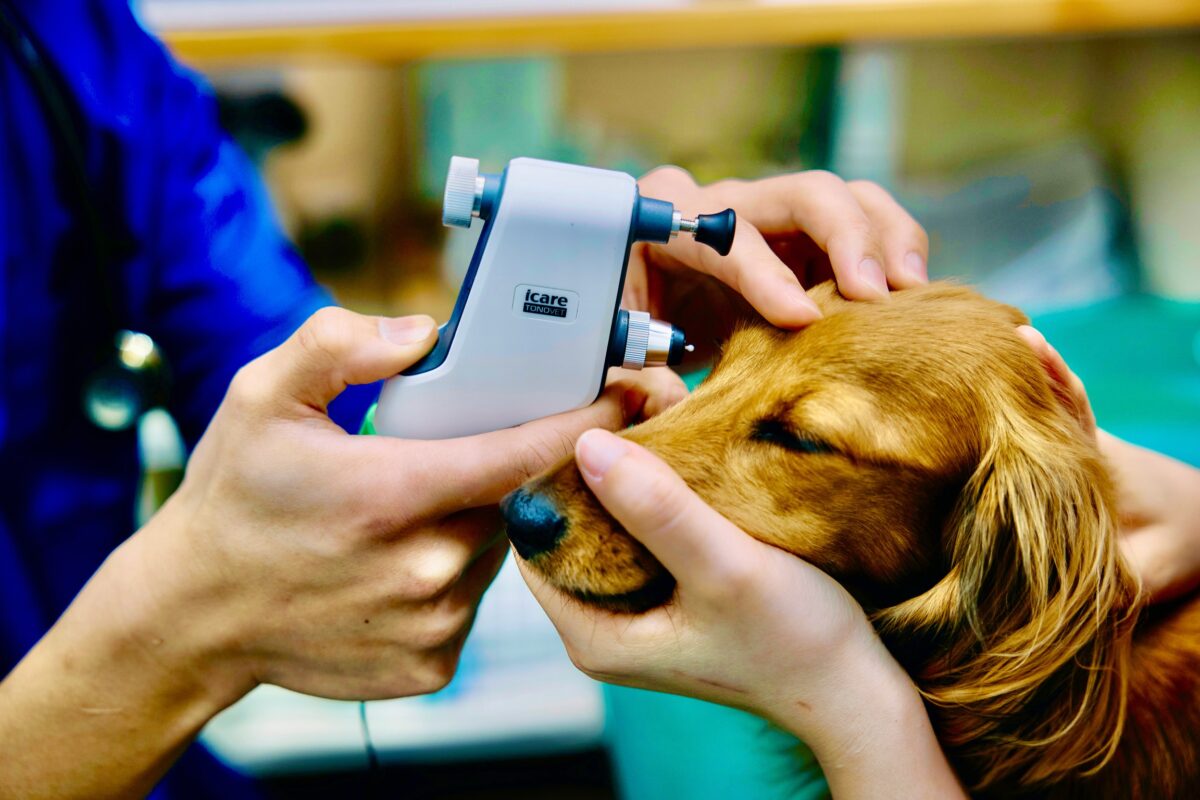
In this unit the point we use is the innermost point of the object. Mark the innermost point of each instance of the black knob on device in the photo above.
(716, 230)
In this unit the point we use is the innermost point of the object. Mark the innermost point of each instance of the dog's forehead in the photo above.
(904, 375)
(950, 326)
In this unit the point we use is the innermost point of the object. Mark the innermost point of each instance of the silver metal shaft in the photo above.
(681, 225)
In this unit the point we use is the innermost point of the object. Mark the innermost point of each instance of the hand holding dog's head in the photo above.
(748, 625)
(915, 451)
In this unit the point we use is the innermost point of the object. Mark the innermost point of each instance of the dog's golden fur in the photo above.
(915, 451)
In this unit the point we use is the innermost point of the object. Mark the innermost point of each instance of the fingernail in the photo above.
(872, 274)
(915, 265)
(803, 299)
(597, 451)
(406, 330)
(1032, 336)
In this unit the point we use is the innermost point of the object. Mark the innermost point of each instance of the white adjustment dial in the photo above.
(461, 201)
(637, 339)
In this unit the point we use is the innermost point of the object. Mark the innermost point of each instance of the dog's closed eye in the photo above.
(774, 431)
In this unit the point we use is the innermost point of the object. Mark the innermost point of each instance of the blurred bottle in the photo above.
(161, 451)
(1159, 83)
(869, 113)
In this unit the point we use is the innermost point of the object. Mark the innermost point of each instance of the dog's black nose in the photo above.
(534, 524)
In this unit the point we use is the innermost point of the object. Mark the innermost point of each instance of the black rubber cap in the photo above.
(678, 342)
(716, 230)
(616, 342)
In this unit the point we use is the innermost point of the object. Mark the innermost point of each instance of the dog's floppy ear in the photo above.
(1032, 624)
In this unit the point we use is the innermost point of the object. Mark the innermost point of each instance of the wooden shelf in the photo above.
(402, 35)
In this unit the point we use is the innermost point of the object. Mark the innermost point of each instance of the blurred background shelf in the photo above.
(398, 30)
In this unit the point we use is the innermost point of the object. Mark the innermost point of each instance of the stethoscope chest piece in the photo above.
(133, 376)
(131, 382)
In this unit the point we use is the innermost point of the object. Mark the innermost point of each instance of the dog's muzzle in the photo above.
(534, 525)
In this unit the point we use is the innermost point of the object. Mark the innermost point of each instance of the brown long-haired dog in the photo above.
(915, 451)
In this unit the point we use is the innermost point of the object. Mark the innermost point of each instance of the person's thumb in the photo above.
(336, 348)
(695, 543)
(1154, 555)
(1065, 384)
(479, 470)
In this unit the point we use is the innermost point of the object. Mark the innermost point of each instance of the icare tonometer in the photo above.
(537, 322)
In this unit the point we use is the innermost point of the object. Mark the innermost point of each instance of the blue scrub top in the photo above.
(210, 277)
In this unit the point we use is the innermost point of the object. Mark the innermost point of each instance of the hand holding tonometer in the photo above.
(537, 322)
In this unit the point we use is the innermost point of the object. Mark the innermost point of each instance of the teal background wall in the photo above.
(675, 747)
(1139, 357)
